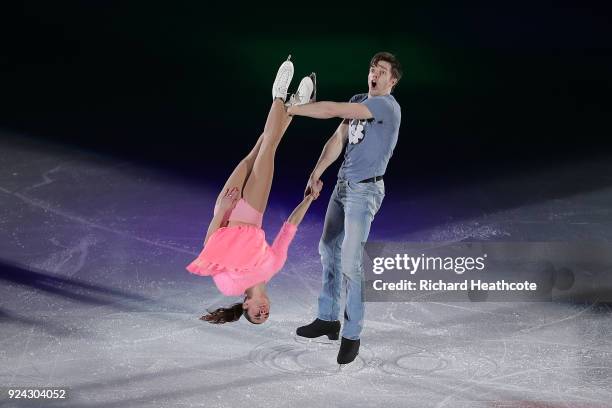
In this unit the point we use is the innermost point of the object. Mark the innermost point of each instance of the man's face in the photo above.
(380, 80)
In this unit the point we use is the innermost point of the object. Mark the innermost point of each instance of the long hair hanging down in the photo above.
(224, 314)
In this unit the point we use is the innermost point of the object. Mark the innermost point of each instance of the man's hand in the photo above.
(313, 188)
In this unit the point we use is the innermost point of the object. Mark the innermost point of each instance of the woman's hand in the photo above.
(229, 200)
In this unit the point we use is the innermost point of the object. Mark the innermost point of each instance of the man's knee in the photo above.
(352, 267)
(352, 271)
(326, 248)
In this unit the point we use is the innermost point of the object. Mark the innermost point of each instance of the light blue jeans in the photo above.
(350, 212)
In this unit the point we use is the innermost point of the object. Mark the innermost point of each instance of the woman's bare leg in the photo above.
(240, 174)
(242, 171)
(259, 182)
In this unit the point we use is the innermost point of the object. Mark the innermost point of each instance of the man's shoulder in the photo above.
(391, 103)
(396, 105)
(388, 98)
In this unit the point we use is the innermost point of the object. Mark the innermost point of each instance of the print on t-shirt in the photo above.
(356, 131)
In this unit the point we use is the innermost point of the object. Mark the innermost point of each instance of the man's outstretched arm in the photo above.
(330, 153)
(326, 110)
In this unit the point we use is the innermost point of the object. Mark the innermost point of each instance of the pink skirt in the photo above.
(231, 249)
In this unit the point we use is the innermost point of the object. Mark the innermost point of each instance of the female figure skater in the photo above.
(235, 252)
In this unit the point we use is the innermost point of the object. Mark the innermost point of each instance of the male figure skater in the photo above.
(369, 131)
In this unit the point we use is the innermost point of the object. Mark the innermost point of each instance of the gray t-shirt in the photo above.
(371, 141)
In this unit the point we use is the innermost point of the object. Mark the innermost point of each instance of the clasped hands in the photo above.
(313, 188)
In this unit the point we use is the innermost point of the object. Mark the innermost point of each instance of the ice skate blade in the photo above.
(316, 340)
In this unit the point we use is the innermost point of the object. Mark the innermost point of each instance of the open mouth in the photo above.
(373, 84)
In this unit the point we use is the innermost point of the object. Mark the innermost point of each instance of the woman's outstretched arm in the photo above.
(297, 215)
(284, 237)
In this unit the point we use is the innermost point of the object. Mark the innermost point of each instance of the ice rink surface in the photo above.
(94, 298)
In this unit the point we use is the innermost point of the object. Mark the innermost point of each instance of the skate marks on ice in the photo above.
(555, 353)
(88, 223)
(68, 260)
(309, 358)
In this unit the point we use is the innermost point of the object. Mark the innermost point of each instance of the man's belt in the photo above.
(372, 179)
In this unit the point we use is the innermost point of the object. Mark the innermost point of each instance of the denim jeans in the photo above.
(350, 212)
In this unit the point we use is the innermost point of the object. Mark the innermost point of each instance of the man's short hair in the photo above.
(396, 67)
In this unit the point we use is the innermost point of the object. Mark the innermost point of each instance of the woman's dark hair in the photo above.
(227, 315)
(224, 314)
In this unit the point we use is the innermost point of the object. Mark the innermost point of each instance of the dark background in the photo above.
(487, 90)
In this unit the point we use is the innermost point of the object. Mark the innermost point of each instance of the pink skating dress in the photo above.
(239, 257)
